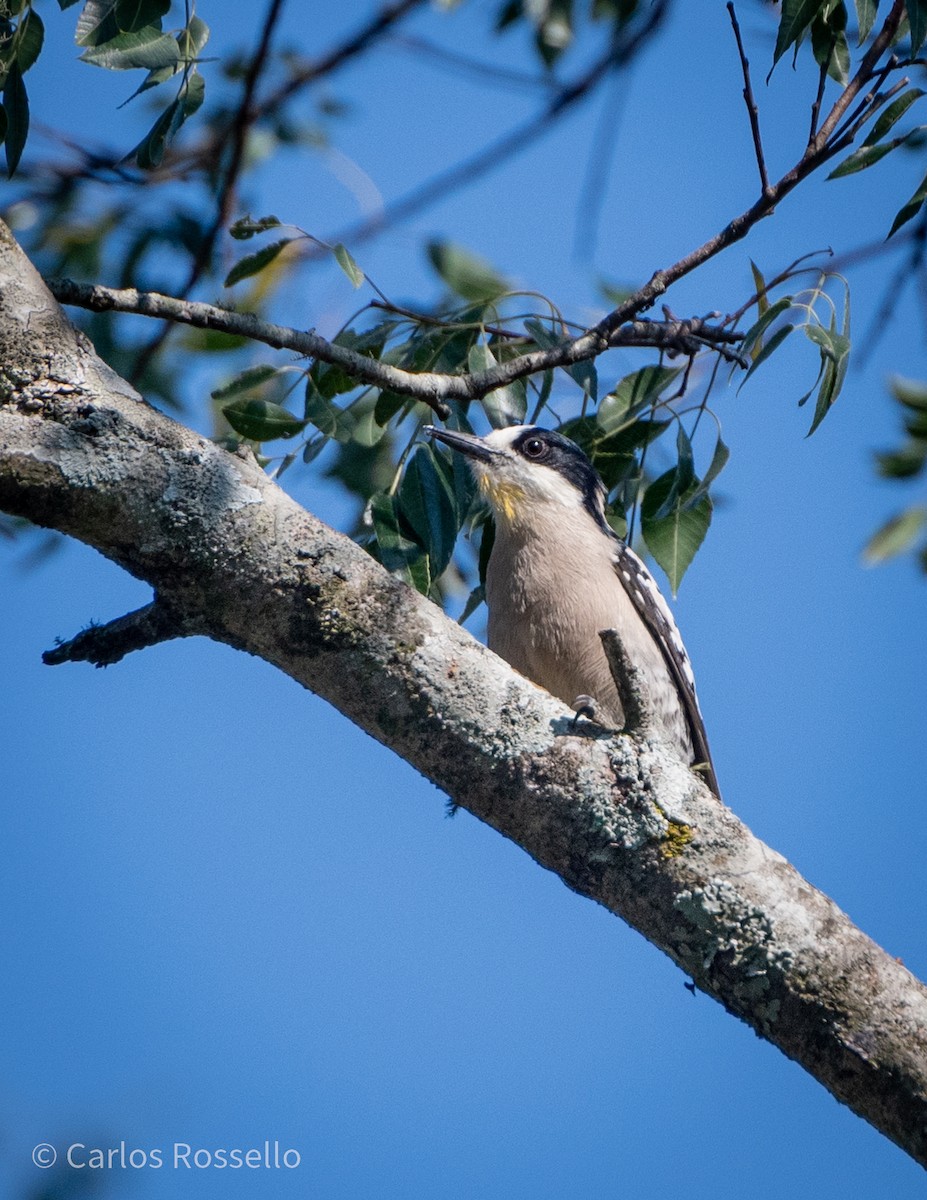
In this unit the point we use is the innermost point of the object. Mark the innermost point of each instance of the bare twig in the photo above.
(909, 268)
(750, 101)
(816, 106)
(484, 72)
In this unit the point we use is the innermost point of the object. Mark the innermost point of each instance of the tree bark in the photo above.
(232, 557)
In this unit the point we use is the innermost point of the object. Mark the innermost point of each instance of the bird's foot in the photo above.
(584, 706)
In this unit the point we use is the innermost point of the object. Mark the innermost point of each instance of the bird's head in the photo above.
(523, 469)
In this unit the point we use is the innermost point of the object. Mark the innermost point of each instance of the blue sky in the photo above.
(231, 918)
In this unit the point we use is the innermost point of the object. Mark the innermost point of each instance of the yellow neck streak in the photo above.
(504, 497)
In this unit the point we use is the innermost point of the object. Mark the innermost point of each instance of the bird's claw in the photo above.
(584, 706)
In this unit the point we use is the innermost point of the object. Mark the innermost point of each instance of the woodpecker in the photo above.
(558, 575)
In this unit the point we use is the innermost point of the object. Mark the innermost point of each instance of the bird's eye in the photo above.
(534, 447)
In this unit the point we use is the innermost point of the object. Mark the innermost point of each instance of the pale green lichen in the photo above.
(745, 937)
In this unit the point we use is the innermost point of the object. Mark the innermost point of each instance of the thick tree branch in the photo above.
(617, 818)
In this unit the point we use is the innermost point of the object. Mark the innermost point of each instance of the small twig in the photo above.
(484, 72)
(868, 106)
(106, 644)
(750, 101)
(908, 269)
(636, 703)
(794, 268)
(429, 319)
(816, 106)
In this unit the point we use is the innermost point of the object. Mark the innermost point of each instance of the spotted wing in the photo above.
(655, 613)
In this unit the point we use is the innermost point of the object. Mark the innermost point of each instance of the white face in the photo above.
(509, 479)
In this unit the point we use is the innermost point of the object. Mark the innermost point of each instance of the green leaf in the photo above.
(96, 23)
(510, 12)
(150, 150)
(133, 15)
(31, 36)
(467, 274)
(865, 17)
(153, 79)
(768, 349)
(397, 552)
(895, 536)
(427, 501)
(388, 404)
(193, 38)
(796, 17)
(544, 337)
(911, 209)
(246, 381)
(247, 227)
(909, 392)
(614, 294)
(893, 113)
(759, 283)
(833, 345)
(829, 45)
(251, 264)
(16, 108)
(904, 463)
(328, 418)
(752, 343)
(506, 405)
(332, 380)
(586, 375)
(474, 600)
(633, 394)
(148, 48)
(673, 539)
(348, 265)
(192, 94)
(917, 19)
(63, 4)
(262, 420)
(716, 466)
(2, 123)
(835, 356)
(864, 157)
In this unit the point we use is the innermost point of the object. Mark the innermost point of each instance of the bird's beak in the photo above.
(466, 443)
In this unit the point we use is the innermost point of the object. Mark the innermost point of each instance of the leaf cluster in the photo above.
(119, 35)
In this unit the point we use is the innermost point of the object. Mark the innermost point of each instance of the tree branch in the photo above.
(750, 101)
(104, 645)
(432, 388)
(619, 819)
